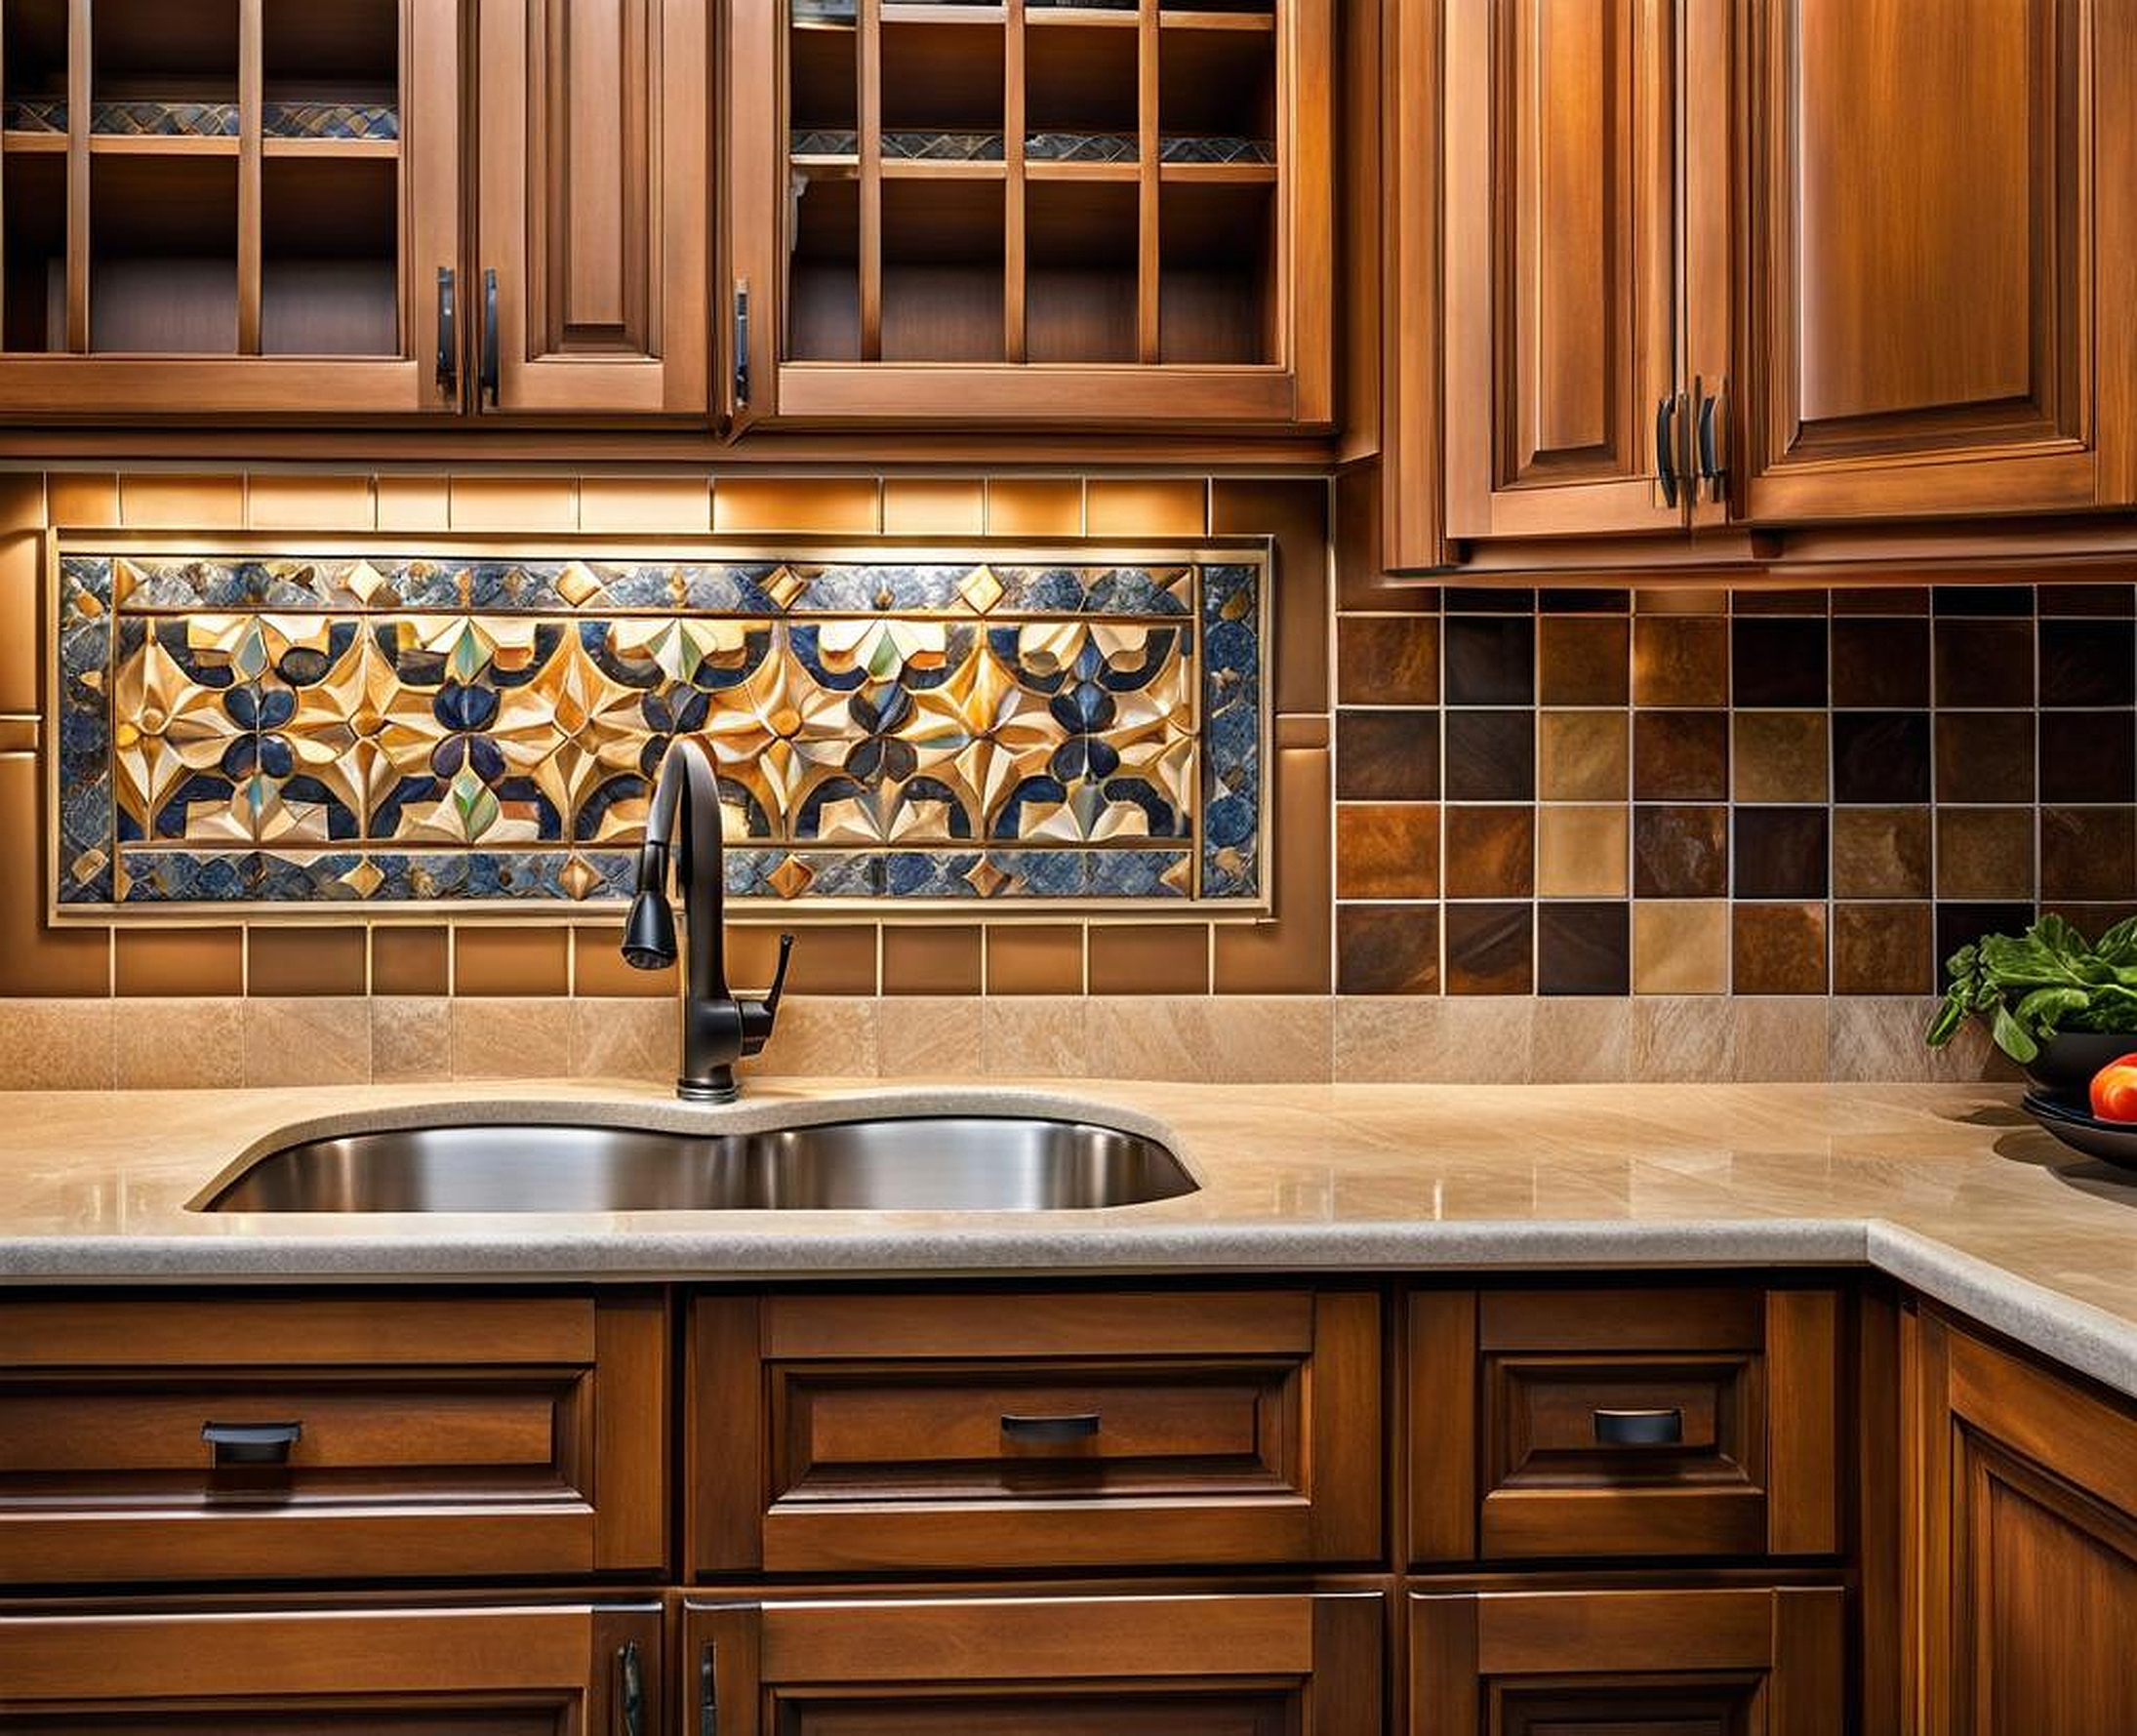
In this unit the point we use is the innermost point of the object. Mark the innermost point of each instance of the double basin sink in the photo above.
(984, 1163)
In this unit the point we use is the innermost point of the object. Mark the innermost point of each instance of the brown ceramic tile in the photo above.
(22, 622)
(1584, 756)
(599, 970)
(2088, 756)
(2099, 600)
(925, 959)
(22, 502)
(1961, 924)
(824, 504)
(1388, 756)
(1388, 660)
(1490, 755)
(1584, 661)
(179, 961)
(1779, 949)
(1387, 950)
(287, 962)
(1781, 852)
(19, 734)
(512, 961)
(2088, 663)
(1288, 956)
(1882, 756)
(1985, 756)
(1034, 506)
(1584, 949)
(1296, 731)
(2088, 854)
(1883, 949)
(87, 499)
(513, 505)
(412, 504)
(1880, 853)
(1295, 514)
(1681, 757)
(1680, 852)
(1680, 948)
(1758, 600)
(1490, 660)
(1146, 506)
(37, 960)
(1984, 594)
(834, 959)
(411, 961)
(1780, 757)
(1150, 958)
(1680, 661)
(1881, 599)
(1681, 599)
(1035, 960)
(1985, 853)
(309, 503)
(1582, 852)
(1490, 948)
(1984, 663)
(1491, 852)
(1881, 664)
(1388, 850)
(645, 505)
(163, 500)
(1777, 663)
(934, 506)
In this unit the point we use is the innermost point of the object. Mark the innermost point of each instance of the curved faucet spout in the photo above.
(718, 1028)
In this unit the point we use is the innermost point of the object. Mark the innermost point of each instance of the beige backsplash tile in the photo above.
(1042, 1037)
(1219, 1039)
(411, 1039)
(613, 1038)
(822, 1036)
(180, 1044)
(1583, 1040)
(310, 1041)
(1683, 1038)
(924, 1036)
(511, 1038)
(1877, 1039)
(1780, 1038)
(57, 1046)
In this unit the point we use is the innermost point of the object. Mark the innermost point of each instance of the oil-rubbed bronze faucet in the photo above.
(718, 1028)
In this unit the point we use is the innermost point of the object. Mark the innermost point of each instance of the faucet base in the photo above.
(707, 1090)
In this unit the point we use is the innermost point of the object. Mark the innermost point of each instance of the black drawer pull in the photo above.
(1639, 1428)
(250, 1443)
(1050, 1429)
(630, 1691)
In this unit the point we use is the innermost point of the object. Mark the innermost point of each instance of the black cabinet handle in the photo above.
(708, 1697)
(1050, 1429)
(488, 336)
(448, 333)
(742, 345)
(250, 1443)
(630, 1691)
(1666, 467)
(1712, 470)
(1639, 1428)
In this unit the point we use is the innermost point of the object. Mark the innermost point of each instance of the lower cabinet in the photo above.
(2026, 1548)
(1244, 1664)
(1706, 1662)
(589, 1668)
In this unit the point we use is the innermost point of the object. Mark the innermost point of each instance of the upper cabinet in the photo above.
(1086, 215)
(592, 220)
(228, 206)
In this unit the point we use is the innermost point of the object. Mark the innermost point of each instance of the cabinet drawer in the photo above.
(591, 1669)
(290, 1437)
(1216, 1665)
(929, 1431)
(1624, 1422)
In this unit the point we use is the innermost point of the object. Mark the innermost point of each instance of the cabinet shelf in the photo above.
(33, 144)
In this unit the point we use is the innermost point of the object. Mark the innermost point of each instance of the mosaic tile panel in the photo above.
(278, 120)
(1043, 148)
(397, 730)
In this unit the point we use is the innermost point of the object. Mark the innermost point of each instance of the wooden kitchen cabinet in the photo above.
(592, 220)
(593, 1669)
(1145, 1666)
(227, 211)
(330, 1437)
(938, 1431)
(1715, 1662)
(1053, 216)
(2025, 1544)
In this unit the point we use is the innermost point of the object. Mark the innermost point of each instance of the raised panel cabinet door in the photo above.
(1243, 1665)
(1750, 1660)
(2028, 1548)
(1559, 263)
(1940, 246)
(562, 1670)
(593, 213)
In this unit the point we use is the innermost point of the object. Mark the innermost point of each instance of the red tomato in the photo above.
(2115, 1090)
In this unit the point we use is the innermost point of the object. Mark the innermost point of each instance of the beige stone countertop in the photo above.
(1948, 1187)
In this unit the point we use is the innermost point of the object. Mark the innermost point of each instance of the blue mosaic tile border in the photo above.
(210, 712)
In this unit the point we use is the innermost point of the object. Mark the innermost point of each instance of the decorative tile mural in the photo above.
(443, 730)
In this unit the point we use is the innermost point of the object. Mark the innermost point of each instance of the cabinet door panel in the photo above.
(1924, 256)
(594, 194)
(1560, 265)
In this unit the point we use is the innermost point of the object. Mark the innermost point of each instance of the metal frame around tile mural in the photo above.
(389, 727)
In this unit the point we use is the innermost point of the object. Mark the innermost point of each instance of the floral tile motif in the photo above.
(447, 730)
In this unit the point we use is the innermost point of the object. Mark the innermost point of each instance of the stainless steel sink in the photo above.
(931, 1163)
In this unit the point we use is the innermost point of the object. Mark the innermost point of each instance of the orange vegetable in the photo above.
(2115, 1090)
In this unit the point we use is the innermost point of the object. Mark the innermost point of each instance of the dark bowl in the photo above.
(2064, 1069)
(2111, 1142)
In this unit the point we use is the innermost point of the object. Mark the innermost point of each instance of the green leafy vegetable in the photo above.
(2049, 979)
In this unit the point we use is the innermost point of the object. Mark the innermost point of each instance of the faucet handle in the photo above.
(759, 1015)
(778, 975)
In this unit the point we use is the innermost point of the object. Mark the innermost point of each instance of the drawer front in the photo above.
(1216, 1665)
(1034, 1430)
(291, 1437)
(1616, 1422)
(587, 1668)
